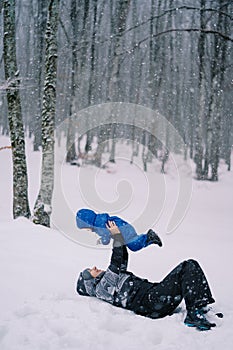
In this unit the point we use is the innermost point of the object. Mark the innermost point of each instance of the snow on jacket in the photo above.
(86, 218)
(117, 286)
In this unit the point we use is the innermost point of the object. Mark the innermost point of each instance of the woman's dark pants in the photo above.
(187, 281)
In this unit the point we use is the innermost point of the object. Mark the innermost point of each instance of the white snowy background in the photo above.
(39, 307)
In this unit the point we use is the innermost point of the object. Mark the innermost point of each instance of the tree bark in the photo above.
(215, 111)
(201, 85)
(43, 206)
(119, 28)
(40, 27)
(20, 181)
(70, 144)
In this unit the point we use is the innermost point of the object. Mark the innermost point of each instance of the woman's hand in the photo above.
(113, 228)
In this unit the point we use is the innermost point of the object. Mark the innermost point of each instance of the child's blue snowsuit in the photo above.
(87, 218)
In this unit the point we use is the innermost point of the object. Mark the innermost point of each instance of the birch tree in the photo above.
(20, 181)
(43, 206)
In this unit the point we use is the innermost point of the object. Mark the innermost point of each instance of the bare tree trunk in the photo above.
(156, 63)
(20, 181)
(101, 144)
(191, 102)
(84, 39)
(198, 141)
(227, 153)
(92, 79)
(145, 140)
(40, 27)
(43, 206)
(70, 144)
(119, 27)
(164, 158)
(216, 110)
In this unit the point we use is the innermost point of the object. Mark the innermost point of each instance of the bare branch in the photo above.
(207, 31)
(175, 9)
(64, 30)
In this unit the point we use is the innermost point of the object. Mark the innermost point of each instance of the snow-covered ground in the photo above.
(39, 267)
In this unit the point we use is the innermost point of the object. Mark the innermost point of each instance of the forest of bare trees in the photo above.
(173, 56)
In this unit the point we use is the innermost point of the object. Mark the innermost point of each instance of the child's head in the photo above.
(85, 219)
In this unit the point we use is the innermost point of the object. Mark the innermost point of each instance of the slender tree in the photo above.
(119, 26)
(70, 145)
(201, 87)
(219, 62)
(39, 34)
(43, 206)
(20, 181)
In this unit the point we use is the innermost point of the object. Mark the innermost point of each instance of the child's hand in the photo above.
(113, 228)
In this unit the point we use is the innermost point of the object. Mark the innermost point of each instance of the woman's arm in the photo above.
(119, 259)
(106, 288)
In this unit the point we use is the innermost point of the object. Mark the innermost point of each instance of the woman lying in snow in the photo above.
(121, 288)
(88, 219)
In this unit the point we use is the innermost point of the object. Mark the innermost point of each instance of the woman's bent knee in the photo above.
(192, 262)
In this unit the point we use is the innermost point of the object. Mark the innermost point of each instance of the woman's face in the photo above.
(95, 271)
